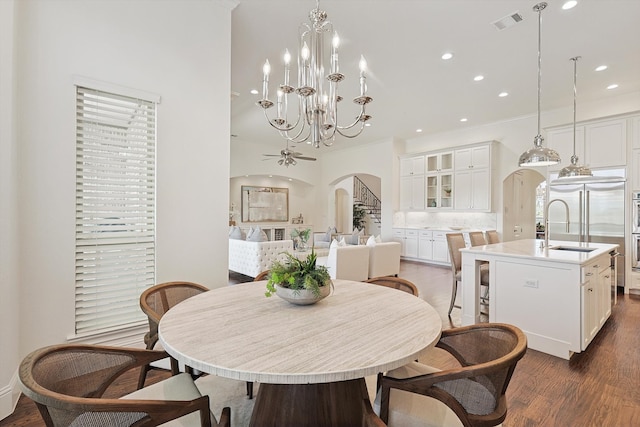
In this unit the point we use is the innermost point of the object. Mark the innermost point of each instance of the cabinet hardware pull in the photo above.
(589, 274)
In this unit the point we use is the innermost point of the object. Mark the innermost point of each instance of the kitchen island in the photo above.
(559, 295)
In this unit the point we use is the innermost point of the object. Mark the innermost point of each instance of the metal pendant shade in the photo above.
(574, 169)
(539, 155)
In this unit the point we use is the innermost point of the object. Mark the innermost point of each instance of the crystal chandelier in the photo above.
(316, 120)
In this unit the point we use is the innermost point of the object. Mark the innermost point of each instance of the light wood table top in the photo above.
(359, 330)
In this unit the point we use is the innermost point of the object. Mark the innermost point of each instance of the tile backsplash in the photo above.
(475, 220)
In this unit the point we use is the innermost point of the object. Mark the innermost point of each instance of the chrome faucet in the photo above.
(546, 219)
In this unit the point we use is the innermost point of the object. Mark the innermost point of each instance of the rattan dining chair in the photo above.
(155, 302)
(67, 383)
(455, 242)
(474, 392)
(395, 283)
(263, 275)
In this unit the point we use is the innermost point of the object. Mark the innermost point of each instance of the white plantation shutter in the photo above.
(115, 208)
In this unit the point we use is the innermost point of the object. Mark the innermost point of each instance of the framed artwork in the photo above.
(265, 204)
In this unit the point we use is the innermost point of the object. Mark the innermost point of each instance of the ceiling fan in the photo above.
(289, 157)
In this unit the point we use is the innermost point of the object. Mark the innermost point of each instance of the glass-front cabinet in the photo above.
(439, 162)
(439, 191)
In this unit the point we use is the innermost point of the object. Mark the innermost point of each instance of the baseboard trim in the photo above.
(9, 395)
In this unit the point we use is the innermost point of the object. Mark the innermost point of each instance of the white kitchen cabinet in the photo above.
(473, 190)
(439, 191)
(408, 239)
(472, 179)
(412, 192)
(432, 246)
(412, 182)
(598, 144)
(595, 297)
(412, 166)
(439, 162)
(425, 245)
(440, 247)
(473, 157)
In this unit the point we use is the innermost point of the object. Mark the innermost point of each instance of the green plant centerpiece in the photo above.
(299, 281)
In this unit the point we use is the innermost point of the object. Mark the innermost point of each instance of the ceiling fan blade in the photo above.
(272, 155)
(306, 158)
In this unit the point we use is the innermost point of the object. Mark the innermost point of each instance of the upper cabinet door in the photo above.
(412, 166)
(473, 157)
(606, 143)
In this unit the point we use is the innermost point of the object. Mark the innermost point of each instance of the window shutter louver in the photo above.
(115, 208)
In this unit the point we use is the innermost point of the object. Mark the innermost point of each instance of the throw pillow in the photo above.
(378, 239)
(334, 244)
(342, 242)
(249, 233)
(258, 235)
(371, 241)
(236, 233)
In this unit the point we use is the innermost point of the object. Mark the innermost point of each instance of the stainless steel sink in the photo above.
(572, 249)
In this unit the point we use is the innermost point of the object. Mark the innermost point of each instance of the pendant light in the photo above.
(574, 170)
(539, 155)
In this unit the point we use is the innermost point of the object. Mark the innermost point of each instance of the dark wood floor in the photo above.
(599, 387)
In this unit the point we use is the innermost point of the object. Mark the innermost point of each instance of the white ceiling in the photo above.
(412, 87)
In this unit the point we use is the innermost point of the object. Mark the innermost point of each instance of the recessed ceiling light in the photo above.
(613, 86)
(478, 78)
(447, 55)
(464, 119)
(367, 124)
(270, 176)
(601, 67)
(503, 94)
(418, 130)
(569, 4)
(290, 179)
(254, 91)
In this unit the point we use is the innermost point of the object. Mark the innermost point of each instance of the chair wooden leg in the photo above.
(454, 291)
(250, 389)
(143, 376)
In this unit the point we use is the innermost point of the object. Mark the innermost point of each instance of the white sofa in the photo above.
(384, 259)
(251, 258)
(347, 262)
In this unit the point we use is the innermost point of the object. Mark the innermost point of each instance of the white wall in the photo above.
(378, 159)
(179, 49)
(9, 242)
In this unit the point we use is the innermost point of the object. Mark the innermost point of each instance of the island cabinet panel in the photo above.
(595, 297)
(542, 300)
(559, 295)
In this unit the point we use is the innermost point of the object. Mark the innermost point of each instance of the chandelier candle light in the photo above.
(317, 117)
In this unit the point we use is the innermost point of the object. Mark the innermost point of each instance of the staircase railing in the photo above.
(365, 197)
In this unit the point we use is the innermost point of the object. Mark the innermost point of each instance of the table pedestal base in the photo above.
(344, 403)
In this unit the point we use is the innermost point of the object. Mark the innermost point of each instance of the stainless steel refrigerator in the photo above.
(596, 213)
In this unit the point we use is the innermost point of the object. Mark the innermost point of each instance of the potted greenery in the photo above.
(301, 237)
(298, 281)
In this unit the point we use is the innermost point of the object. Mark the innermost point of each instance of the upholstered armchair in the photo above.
(349, 262)
(384, 259)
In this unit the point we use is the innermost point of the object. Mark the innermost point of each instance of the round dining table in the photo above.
(310, 360)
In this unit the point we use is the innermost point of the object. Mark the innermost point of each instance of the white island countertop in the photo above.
(532, 249)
